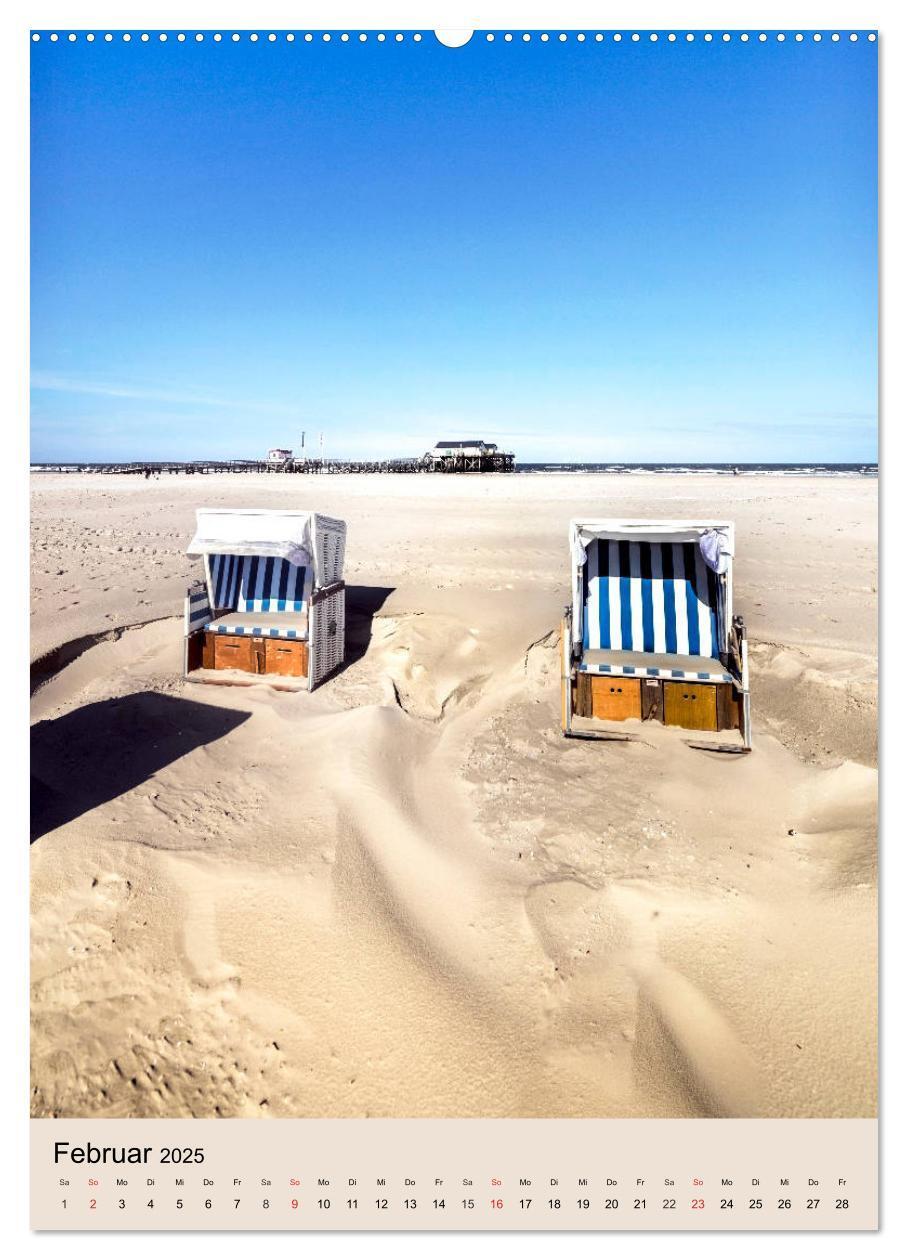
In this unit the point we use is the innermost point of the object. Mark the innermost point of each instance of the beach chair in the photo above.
(272, 601)
(650, 634)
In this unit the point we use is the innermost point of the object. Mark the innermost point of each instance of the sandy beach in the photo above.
(406, 894)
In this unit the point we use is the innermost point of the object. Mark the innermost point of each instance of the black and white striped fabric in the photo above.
(259, 583)
(655, 597)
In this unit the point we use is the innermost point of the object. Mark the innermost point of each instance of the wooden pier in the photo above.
(497, 462)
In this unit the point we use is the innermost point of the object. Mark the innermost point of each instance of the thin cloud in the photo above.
(104, 389)
(840, 415)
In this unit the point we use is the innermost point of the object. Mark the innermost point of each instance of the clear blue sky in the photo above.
(580, 251)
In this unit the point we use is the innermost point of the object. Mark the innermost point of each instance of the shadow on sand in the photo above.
(98, 752)
(363, 602)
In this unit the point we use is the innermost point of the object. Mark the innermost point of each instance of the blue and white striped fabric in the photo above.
(714, 673)
(650, 597)
(296, 629)
(197, 613)
(259, 583)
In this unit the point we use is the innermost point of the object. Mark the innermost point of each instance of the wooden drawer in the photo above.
(234, 651)
(615, 699)
(691, 705)
(286, 656)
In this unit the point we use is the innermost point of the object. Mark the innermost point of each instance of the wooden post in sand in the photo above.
(565, 682)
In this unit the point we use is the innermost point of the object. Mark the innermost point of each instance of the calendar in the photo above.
(453, 748)
(455, 1175)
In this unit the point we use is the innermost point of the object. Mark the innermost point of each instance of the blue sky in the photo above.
(628, 251)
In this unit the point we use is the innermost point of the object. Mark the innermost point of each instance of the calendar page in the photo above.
(453, 627)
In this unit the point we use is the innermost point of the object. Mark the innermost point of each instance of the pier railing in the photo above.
(497, 461)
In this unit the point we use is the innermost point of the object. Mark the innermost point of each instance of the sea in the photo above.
(719, 470)
(573, 467)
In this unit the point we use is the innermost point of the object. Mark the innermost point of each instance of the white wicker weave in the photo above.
(327, 627)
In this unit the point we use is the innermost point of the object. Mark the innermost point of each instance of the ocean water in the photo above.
(719, 470)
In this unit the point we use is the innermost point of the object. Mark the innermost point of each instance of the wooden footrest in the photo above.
(255, 654)
(692, 706)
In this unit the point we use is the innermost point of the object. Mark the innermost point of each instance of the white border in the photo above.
(13, 471)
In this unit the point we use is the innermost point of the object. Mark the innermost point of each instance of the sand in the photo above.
(406, 894)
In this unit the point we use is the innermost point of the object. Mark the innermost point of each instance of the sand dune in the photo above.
(406, 894)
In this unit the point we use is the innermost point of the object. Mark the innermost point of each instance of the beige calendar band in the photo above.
(454, 1174)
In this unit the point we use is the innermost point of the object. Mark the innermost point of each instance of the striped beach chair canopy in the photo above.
(262, 567)
(652, 598)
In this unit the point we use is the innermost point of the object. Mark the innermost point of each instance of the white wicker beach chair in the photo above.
(273, 599)
(650, 633)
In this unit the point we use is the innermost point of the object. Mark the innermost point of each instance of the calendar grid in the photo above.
(454, 1175)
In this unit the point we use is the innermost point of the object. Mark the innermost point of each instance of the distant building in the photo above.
(470, 449)
(278, 455)
(467, 455)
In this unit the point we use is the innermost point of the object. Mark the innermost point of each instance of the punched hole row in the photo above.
(508, 37)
